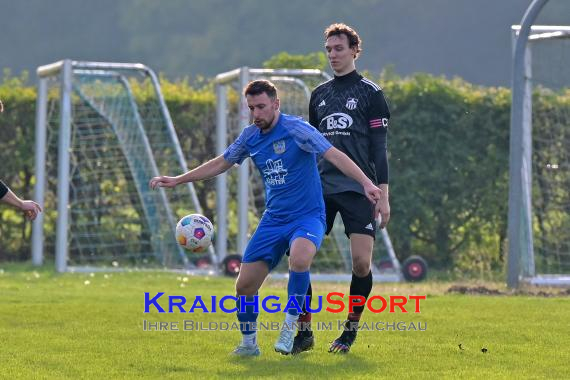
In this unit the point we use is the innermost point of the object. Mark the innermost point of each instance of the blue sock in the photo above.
(297, 287)
(248, 317)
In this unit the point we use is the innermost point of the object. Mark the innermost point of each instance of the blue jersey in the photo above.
(286, 158)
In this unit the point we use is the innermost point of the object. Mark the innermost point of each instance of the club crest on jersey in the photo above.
(351, 103)
(279, 146)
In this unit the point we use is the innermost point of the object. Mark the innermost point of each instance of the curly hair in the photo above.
(353, 37)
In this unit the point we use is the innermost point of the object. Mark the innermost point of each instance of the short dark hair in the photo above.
(258, 87)
(353, 37)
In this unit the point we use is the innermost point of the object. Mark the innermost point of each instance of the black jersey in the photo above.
(3, 189)
(352, 113)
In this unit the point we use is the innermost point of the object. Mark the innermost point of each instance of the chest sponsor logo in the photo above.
(337, 120)
(351, 103)
(274, 172)
(279, 146)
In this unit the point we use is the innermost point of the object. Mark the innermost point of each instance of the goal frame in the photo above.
(64, 71)
(521, 265)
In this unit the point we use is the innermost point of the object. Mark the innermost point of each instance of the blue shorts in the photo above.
(272, 238)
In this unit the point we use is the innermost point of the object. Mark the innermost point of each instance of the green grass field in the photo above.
(91, 326)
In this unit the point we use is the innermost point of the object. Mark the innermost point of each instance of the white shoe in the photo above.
(243, 350)
(284, 344)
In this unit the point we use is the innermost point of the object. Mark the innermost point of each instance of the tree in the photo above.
(316, 60)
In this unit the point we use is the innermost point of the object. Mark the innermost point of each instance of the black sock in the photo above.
(308, 299)
(359, 286)
(305, 316)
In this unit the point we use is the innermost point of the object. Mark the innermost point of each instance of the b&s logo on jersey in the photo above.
(337, 120)
(351, 103)
(279, 146)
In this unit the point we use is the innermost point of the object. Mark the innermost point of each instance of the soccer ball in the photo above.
(194, 232)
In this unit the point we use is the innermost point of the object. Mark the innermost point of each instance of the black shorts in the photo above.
(356, 211)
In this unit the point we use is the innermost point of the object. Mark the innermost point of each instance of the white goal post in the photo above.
(107, 145)
(522, 230)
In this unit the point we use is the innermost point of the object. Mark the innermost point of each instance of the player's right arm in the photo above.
(234, 154)
(208, 170)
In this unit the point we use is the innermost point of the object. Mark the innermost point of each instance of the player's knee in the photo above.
(299, 264)
(245, 289)
(361, 267)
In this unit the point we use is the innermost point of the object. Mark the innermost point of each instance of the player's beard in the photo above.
(264, 125)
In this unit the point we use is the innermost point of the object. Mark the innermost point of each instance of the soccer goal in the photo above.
(246, 204)
(98, 143)
(539, 188)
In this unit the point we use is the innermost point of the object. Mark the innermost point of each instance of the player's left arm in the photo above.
(30, 208)
(313, 112)
(378, 118)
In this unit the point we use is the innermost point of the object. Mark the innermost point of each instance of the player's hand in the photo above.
(372, 192)
(382, 210)
(31, 209)
(163, 181)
